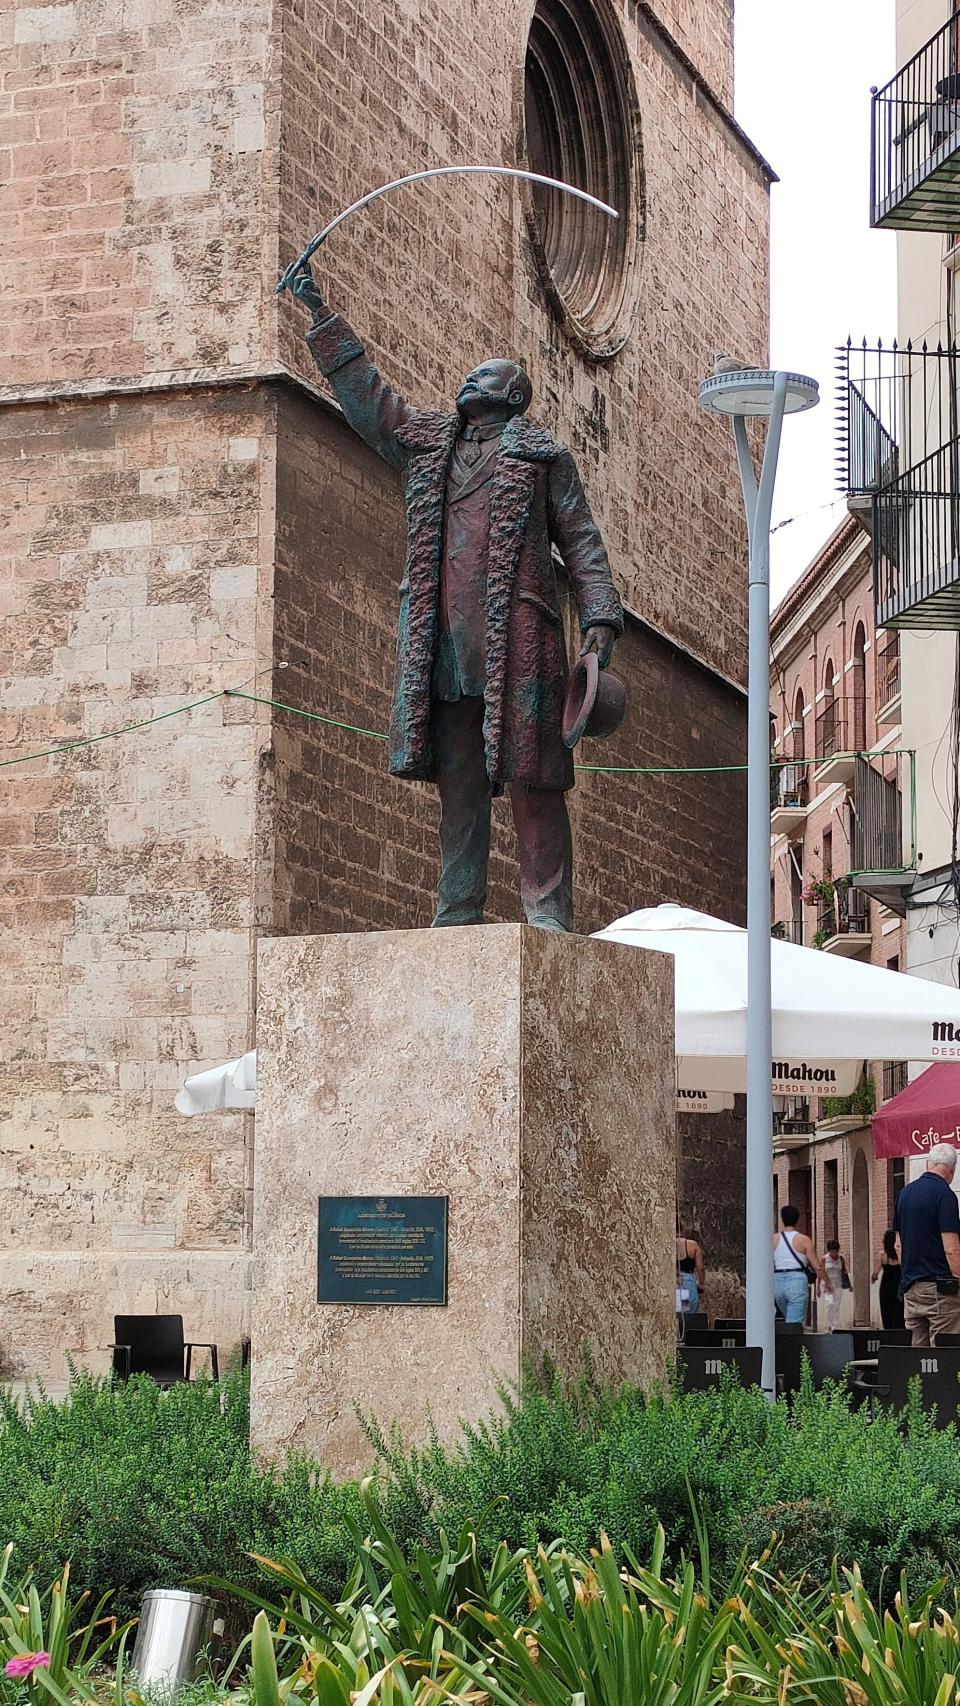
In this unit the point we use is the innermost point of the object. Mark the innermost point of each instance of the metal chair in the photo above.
(702, 1367)
(829, 1355)
(788, 1347)
(937, 1369)
(154, 1345)
(729, 1337)
(698, 1319)
(867, 1340)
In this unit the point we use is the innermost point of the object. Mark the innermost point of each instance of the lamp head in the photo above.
(749, 391)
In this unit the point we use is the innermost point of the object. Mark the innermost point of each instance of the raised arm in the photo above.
(577, 537)
(371, 407)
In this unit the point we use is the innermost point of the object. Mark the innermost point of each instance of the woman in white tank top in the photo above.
(793, 1254)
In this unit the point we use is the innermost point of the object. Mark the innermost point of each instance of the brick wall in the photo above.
(131, 584)
(438, 275)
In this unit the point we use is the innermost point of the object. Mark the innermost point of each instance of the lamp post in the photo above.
(743, 394)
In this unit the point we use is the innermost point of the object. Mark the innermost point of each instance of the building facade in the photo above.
(898, 421)
(837, 789)
(187, 519)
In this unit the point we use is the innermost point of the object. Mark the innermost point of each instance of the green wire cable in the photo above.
(375, 734)
(110, 734)
(311, 716)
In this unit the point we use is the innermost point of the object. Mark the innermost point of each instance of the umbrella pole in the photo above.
(758, 500)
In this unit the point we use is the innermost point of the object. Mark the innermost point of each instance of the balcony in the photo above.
(898, 430)
(881, 867)
(915, 140)
(843, 923)
(788, 794)
(888, 679)
(793, 1126)
(894, 1078)
(788, 930)
(840, 733)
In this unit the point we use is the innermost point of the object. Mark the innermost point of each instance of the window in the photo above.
(898, 1177)
(831, 1194)
(581, 121)
(799, 727)
(859, 685)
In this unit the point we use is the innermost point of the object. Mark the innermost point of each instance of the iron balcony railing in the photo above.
(915, 140)
(847, 914)
(917, 544)
(898, 445)
(894, 1078)
(888, 670)
(794, 1120)
(841, 726)
(876, 815)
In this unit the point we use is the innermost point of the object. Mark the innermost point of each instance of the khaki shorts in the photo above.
(926, 1313)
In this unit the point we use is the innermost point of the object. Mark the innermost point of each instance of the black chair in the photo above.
(829, 1355)
(730, 1323)
(154, 1345)
(702, 1367)
(867, 1340)
(698, 1319)
(937, 1369)
(947, 1340)
(730, 1336)
(788, 1347)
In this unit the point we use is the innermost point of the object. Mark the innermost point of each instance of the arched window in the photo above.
(827, 728)
(858, 731)
(799, 727)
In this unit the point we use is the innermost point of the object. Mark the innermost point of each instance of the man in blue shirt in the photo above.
(927, 1224)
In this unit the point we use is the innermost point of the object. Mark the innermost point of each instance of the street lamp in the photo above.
(746, 393)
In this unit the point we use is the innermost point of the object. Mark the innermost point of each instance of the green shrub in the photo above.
(140, 1488)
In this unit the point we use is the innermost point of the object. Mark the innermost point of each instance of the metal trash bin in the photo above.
(175, 1627)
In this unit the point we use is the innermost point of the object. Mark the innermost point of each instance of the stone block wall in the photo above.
(132, 584)
(134, 187)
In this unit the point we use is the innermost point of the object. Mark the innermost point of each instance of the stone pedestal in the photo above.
(526, 1075)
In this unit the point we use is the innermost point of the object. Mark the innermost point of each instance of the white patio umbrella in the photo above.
(829, 1014)
(232, 1085)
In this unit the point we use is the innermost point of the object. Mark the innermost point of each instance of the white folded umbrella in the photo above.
(829, 1014)
(232, 1085)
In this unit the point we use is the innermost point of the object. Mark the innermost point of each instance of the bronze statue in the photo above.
(481, 662)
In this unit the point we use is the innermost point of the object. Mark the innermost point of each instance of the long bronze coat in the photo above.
(537, 500)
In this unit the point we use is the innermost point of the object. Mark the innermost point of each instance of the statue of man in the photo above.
(481, 664)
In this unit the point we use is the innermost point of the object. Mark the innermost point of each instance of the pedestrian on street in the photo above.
(888, 1271)
(835, 1282)
(795, 1263)
(691, 1279)
(927, 1225)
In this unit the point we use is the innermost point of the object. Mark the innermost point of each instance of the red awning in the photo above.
(925, 1113)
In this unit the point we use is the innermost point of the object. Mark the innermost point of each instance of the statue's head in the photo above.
(494, 390)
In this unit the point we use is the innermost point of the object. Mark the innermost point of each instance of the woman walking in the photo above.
(690, 1273)
(888, 1268)
(835, 1282)
(793, 1259)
